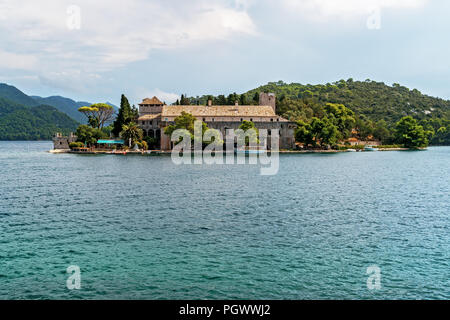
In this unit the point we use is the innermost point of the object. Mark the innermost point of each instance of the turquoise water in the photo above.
(141, 227)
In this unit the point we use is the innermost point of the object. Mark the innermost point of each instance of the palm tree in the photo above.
(131, 133)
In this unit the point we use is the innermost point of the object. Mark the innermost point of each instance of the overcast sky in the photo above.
(97, 50)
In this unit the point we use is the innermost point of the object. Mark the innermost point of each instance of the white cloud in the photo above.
(346, 8)
(40, 38)
(9, 60)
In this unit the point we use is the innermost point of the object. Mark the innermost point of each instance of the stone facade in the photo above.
(155, 116)
(268, 99)
(62, 143)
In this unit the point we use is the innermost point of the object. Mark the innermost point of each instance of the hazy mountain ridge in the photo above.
(13, 94)
(66, 105)
(19, 122)
(62, 104)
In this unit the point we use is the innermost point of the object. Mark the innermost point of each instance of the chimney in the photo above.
(209, 102)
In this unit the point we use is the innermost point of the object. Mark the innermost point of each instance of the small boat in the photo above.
(351, 150)
(370, 148)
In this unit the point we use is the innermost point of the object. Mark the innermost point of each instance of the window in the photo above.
(204, 119)
(271, 119)
(251, 119)
(242, 119)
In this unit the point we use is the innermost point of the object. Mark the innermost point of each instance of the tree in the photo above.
(151, 142)
(324, 131)
(381, 132)
(231, 99)
(105, 113)
(125, 116)
(243, 100)
(184, 121)
(251, 132)
(184, 101)
(131, 133)
(89, 135)
(303, 133)
(98, 114)
(91, 115)
(221, 100)
(410, 134)
(342, 117)
(256, 98)
(330, 133)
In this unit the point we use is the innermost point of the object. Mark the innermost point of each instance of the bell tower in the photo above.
(150, 106)
(267, 99)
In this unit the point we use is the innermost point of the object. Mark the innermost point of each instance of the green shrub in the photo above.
(74, 145)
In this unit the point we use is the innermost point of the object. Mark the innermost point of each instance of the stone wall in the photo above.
(285, 129)
(267, 99)
(62, 143)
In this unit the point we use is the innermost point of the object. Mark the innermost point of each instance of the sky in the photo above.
(96, 50)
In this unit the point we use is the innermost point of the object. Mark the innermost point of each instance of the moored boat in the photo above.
(370, 148)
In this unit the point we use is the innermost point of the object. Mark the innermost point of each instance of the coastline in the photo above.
(161, 152)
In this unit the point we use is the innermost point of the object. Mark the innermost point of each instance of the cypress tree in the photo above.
(125, 116)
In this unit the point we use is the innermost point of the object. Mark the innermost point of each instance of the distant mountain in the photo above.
(113, 105)
(19, 122)
(15, 95)
(63, 104)
(66, 105)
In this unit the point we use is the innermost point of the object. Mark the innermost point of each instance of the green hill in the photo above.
(377, 106)
(18, 122)
(66, 105)
(13, 94)
(374, 100)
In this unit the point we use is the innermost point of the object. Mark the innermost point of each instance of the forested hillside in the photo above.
(18, 122)
(65, 105)
(377, 106)
(13, 94)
